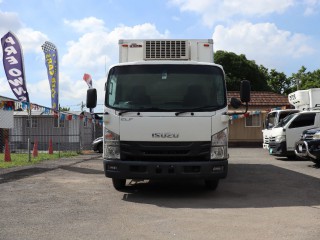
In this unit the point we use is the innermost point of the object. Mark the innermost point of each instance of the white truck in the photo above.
(288, 131)
(272, 119)
(165, 113)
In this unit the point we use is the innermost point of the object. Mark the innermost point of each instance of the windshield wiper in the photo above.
(197, 109)
(125, 111)
(142, 110)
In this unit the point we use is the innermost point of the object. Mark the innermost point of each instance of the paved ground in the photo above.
(262, 198)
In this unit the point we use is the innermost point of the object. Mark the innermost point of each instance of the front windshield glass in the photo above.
(165, 87)
(284, 121)
(271, 120)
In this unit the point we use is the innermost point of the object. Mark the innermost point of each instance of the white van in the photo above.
(284, 135)
(272, 119)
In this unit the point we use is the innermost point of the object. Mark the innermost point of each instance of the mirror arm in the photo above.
(247, 106)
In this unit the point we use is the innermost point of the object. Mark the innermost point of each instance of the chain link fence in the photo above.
(22, 129)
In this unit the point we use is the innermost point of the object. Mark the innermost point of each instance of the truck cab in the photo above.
(272, 119)
(165, 113)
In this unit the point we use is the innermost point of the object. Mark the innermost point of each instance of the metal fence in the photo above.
(45, 129)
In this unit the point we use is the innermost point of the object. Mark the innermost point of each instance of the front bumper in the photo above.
(308, 149)
(278, 149)
(208, 170)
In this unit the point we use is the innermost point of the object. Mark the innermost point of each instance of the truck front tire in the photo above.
(118, 184)
(211, 184)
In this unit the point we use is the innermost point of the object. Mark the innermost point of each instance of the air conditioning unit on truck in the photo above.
(165, 113)
(284, 136)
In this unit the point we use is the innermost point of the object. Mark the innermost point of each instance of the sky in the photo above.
(279, 34)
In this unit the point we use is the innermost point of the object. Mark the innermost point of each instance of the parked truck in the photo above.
(287, 132)
(165, 113)
(272, 119)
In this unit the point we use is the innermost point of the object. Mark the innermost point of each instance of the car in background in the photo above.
(308, 147)
(97, 145)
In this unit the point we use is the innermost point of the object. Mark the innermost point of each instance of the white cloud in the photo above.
(214, 11)
(90, 24)
(5, 88)
(9, 21)
(312, 7)
(92, 51)
(263, 42)
(31, 40)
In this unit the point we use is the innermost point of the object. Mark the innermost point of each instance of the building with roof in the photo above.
(246, 129)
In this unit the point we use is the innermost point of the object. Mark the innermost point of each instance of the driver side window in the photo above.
(303, 120)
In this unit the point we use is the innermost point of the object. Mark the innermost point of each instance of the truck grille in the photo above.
(166, 50)
(165, 151)
(272, 139)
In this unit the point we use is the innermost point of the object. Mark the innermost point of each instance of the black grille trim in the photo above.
(165, 151)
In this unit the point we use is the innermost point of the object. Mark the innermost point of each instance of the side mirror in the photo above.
(91, 98)
(245, 89)
(235, 102)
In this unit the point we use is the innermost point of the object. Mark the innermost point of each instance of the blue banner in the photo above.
(51, 58)
(13, 66)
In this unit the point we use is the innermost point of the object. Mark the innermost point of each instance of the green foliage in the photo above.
(278, 82)
(64, 109)
(306, 80)
(22, 159)
(238, 67)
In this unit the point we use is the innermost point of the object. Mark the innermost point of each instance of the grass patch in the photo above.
(22, 159)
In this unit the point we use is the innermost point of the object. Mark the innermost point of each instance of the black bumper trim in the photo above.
(278, 149)
(164, 170)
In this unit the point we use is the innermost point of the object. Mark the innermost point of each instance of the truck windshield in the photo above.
(166, 87)
(284, 121)
(271, 120)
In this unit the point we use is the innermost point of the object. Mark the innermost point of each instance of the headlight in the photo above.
(316, 135)
(111, 145)
(280, 138)
(219, 142)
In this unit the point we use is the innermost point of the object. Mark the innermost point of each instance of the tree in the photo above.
(238, 67)
(305, 80)
(64, 109)
(278, 82)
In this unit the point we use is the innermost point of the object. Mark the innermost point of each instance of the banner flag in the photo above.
(13, 66)
(87, 78)
(51, 58)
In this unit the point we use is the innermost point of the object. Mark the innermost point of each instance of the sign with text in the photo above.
(13, 66)
(51, 58)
